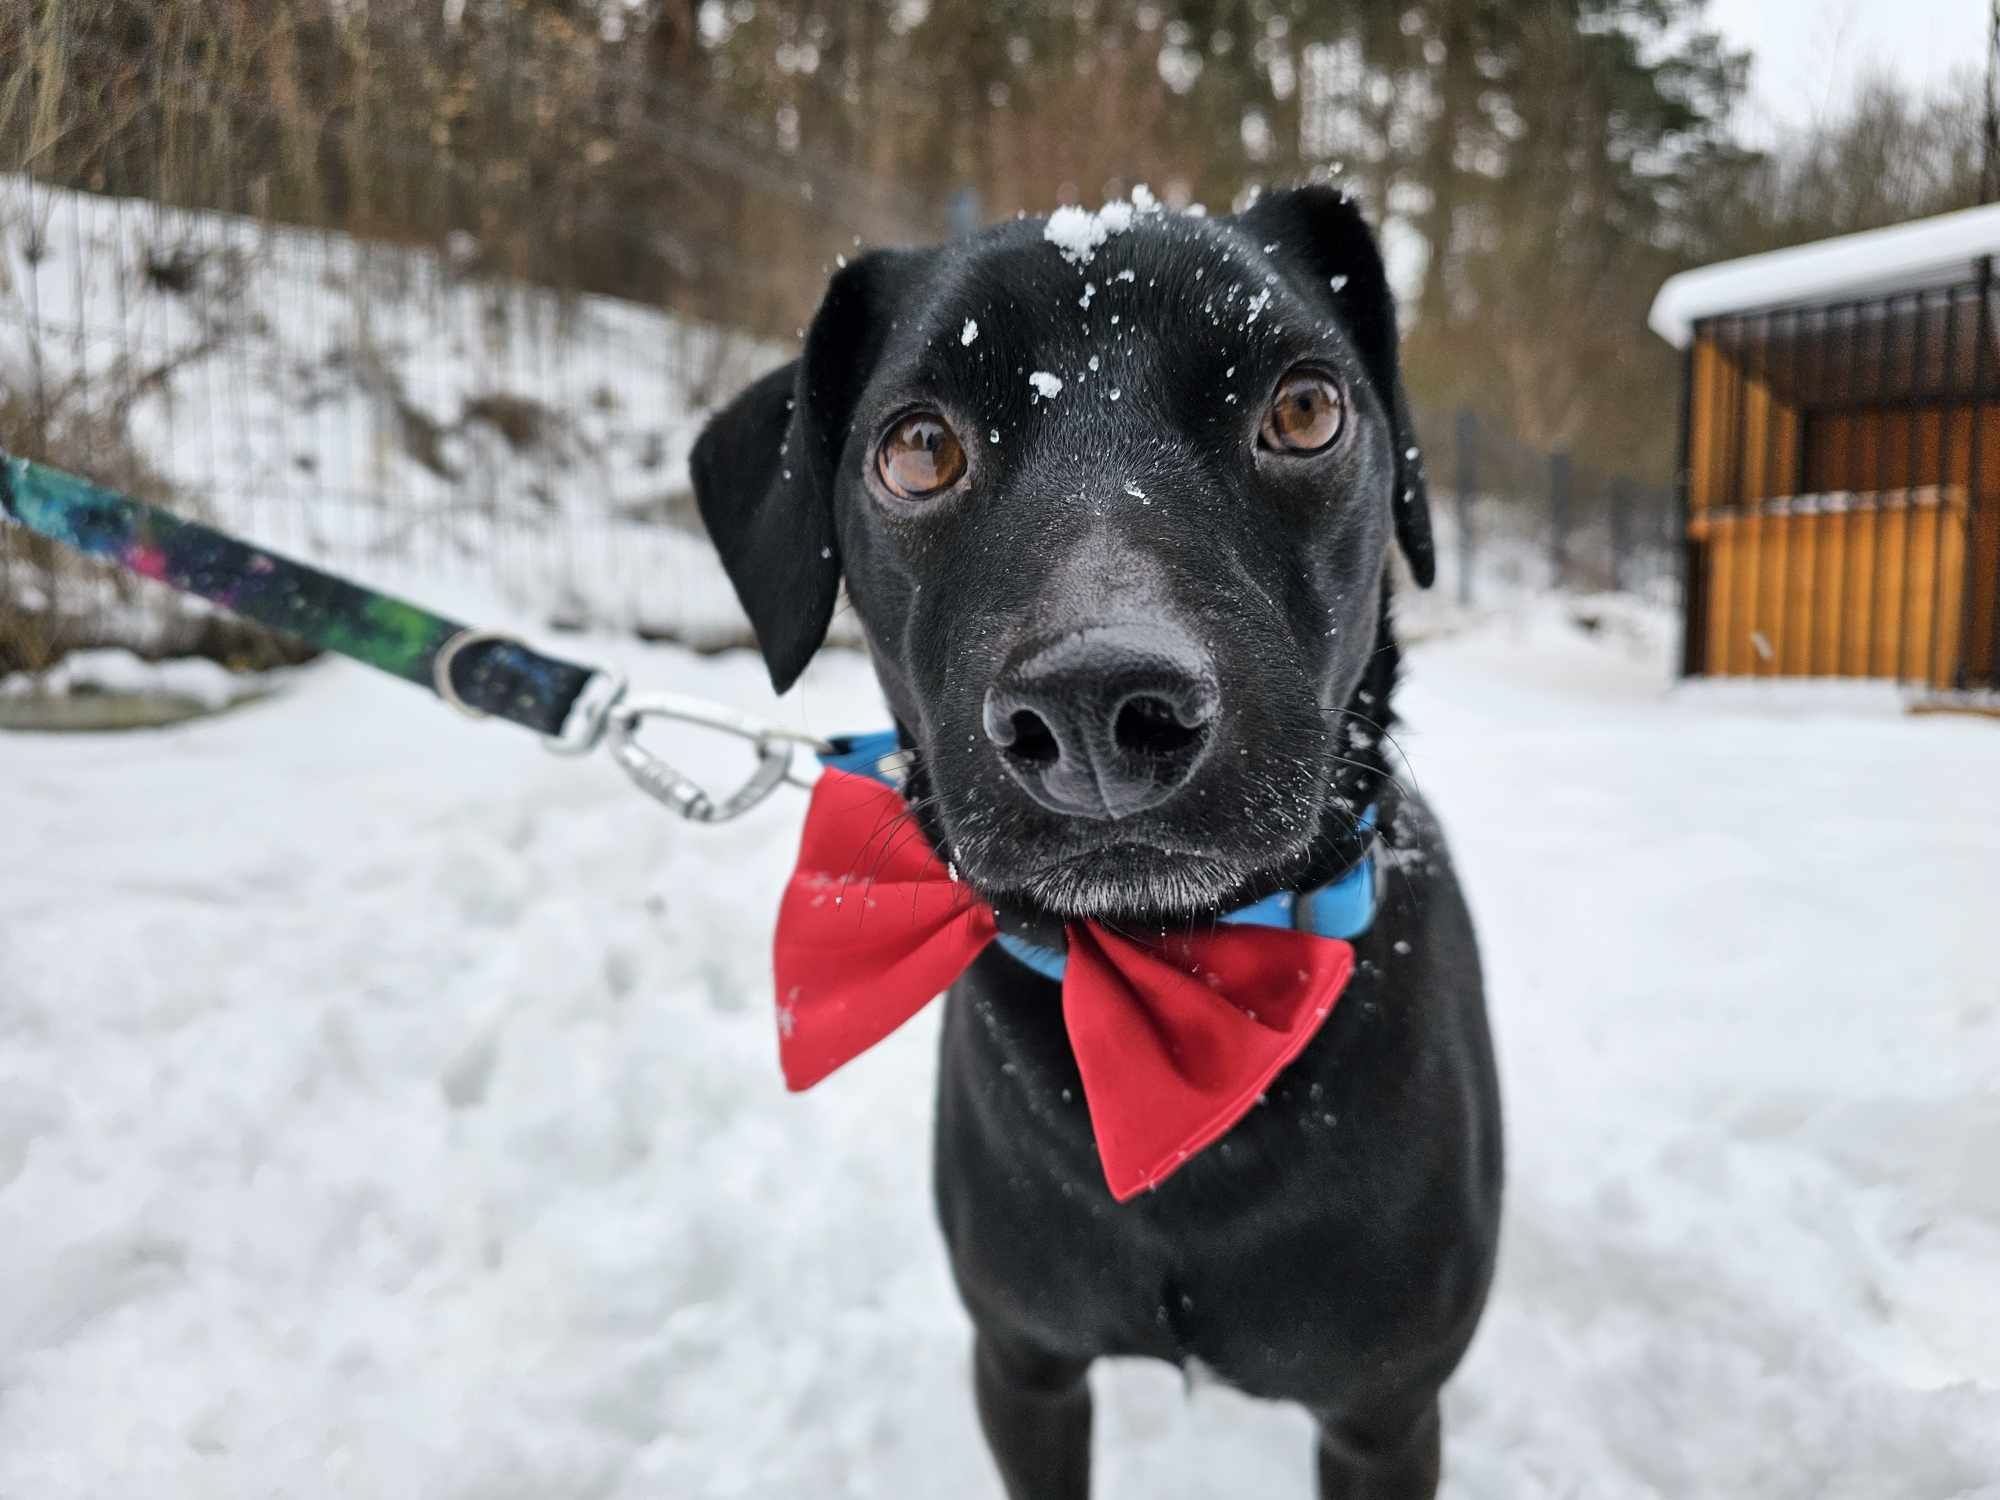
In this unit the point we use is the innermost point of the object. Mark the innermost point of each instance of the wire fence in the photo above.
(1514, 518)
(451, 414)
(459, 377)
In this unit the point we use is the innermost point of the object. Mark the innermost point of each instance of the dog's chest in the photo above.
(1240, 1263)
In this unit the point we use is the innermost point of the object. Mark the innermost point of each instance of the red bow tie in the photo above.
(1175, 1039)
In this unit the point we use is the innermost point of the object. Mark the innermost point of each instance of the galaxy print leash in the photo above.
(482, 673)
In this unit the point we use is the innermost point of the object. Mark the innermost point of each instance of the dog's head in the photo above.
(1113, 501)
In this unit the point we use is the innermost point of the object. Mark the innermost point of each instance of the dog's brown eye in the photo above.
(920, 456)
(1305, 415)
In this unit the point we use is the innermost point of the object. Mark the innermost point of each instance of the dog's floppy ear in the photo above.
(766, 516)
(765, 467)
(1321, 229)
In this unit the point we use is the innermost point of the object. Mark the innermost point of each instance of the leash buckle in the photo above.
(583, 727)
(674, 788)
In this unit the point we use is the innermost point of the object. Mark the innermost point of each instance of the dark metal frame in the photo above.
(1903, 367)
(1984, 379)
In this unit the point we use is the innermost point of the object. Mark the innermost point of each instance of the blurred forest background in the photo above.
(1538, 165)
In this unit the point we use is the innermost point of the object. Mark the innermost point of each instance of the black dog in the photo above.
(1114, 504)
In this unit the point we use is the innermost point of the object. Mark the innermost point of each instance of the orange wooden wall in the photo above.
(1874, 588)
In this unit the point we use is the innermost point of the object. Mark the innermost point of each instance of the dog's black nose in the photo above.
(1106, 722)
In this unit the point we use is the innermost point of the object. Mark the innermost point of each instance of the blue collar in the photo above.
(1344, 908)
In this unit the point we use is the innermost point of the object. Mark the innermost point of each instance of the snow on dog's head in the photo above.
(1077, 232)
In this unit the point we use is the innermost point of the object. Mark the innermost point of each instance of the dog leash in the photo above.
(573, 706)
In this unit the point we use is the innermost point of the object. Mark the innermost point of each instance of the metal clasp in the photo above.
(605, 711)
(773, 747)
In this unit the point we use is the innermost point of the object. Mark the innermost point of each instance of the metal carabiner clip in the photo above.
(677, 790)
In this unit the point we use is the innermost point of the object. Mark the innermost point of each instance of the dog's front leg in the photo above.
(1380, 1459)
(1035, 1409)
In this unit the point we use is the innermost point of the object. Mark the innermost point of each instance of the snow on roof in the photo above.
(1901, 258)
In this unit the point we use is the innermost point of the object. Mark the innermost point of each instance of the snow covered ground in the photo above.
(390, 1110)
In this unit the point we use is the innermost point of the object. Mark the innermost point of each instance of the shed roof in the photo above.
(1901, 258)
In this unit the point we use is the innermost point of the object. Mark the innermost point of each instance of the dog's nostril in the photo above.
(1153, 727)
(1031, 739)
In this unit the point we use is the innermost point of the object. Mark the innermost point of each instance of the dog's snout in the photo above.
(1107, 721)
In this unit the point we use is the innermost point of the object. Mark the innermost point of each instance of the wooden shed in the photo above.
(1840, 457)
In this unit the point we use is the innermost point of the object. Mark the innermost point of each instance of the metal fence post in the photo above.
(1621, 532)
(1976, 503)
(1559, 482)
(962, 213)
(1683, 555)
(1666, 521)
(1466, 437)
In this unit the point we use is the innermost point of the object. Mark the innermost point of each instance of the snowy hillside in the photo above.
(390, 1110)
(385, 411)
